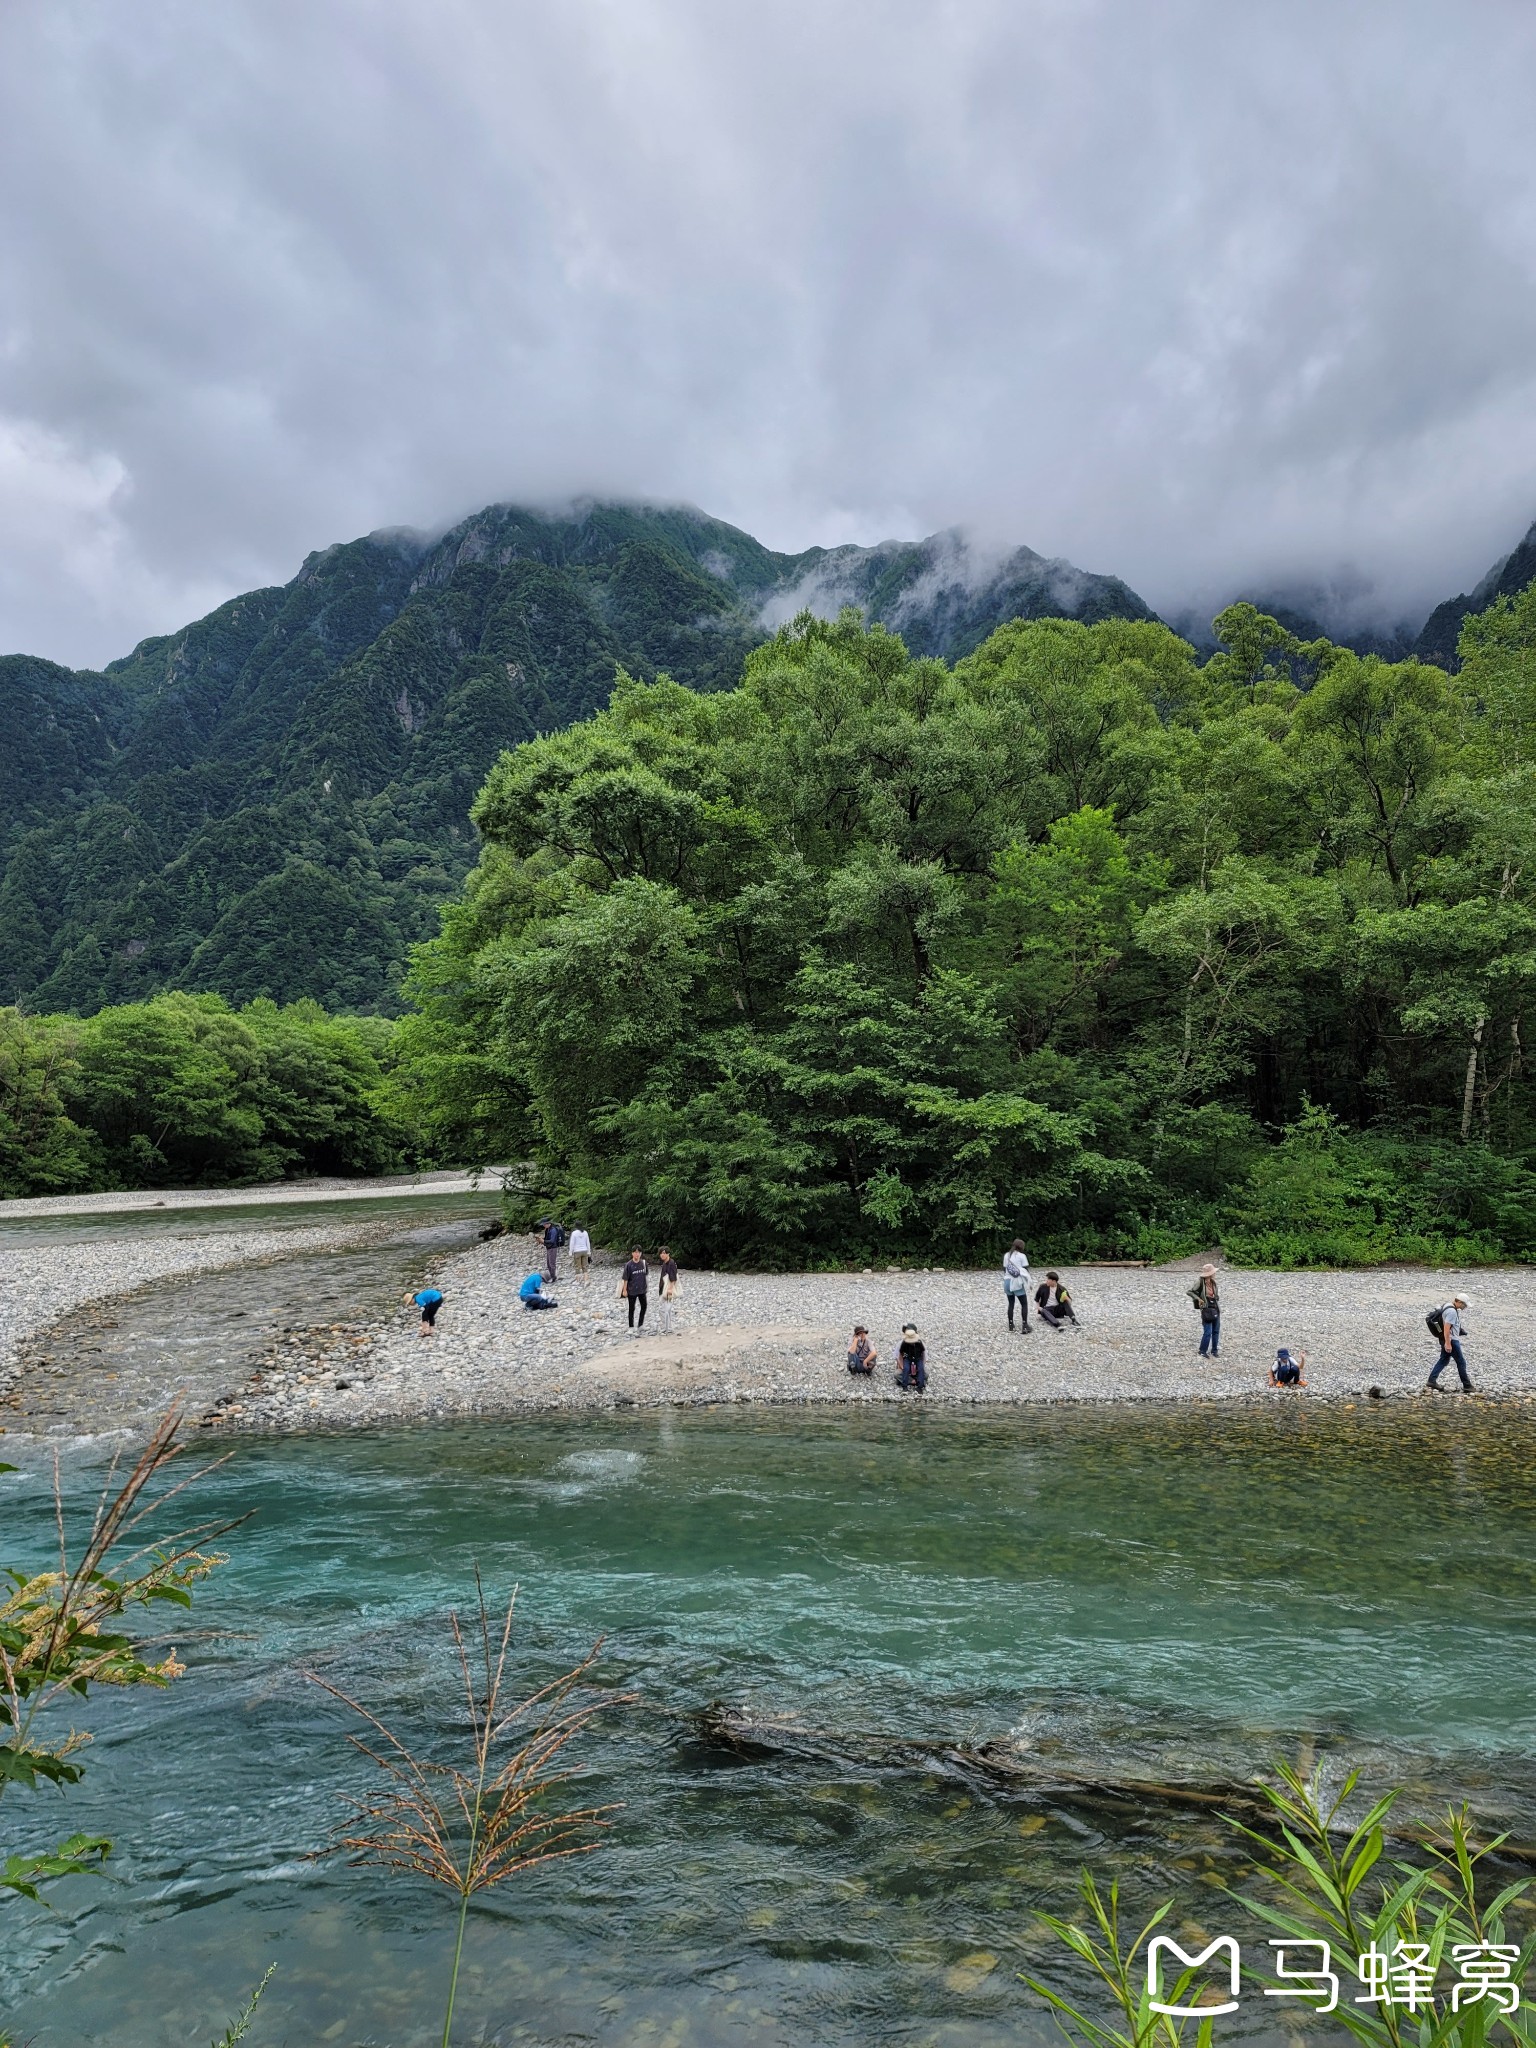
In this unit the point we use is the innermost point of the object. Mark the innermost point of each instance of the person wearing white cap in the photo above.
(1452, 1330)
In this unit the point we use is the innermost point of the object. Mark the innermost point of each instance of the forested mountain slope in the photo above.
(274, 801)
(1507, 578)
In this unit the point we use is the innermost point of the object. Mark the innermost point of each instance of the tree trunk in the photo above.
(1469, 1086)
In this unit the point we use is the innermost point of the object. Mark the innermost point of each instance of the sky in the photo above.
(1213, 297)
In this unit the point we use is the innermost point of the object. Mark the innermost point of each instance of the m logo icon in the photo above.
(1161, 1943)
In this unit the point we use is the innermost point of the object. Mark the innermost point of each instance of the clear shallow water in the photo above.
(1128, 1595)
(23, 1231)
(120, 1363)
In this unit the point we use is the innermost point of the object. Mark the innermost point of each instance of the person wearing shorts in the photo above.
(580, 1249)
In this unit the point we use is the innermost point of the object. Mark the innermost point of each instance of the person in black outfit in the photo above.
(636, 1285)
(1054, 1303)
(913, 1360)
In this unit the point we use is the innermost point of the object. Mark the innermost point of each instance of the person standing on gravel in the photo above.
(1016, 1283)
(667, 1268)
(1207, 1298)
(634, 1285)
(554, 1237)
(1452, 1330)
(581, 1251)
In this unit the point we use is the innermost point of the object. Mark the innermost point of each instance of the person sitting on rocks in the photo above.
(913, 1360)
(1289, 1368)
(531, 1294)
(1054, 1303)
(862, 1355)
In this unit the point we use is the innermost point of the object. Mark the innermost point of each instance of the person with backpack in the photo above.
(554, 1237)
(429, 1301)
(1448, 1329)
(1207, 1298)
(912, 1357)
(1016, 1283)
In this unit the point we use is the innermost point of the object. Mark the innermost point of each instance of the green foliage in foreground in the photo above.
(1081, 937)
(184, 1091)
(1322, 1880)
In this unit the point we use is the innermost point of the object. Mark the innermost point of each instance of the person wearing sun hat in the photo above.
(1452, 1330)
(1207, 1298)
(913, 1360)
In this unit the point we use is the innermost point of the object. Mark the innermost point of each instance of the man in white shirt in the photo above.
(1452, 1330)
(581, 1251)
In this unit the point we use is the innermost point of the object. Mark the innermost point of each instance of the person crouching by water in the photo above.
(912, 1360)
(1207, 1298)
(1289, 1368)
(1054, 1303)
(862, 1355)
(667, 1267)
(531, 1294)
(1016, 1282)
(634, 1286)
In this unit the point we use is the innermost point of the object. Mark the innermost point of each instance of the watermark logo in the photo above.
(1403, 1977)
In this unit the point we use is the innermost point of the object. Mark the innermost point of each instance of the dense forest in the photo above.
(1080, 936)
(810, 947)
(274, 801)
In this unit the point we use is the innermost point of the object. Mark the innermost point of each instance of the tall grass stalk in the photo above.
(61, 1630)
(472, 1826)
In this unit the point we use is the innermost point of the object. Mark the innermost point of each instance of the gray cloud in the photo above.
(1192, 293)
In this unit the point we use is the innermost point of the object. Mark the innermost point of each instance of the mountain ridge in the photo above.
(274, 798)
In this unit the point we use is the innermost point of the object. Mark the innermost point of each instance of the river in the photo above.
(1122, 1595)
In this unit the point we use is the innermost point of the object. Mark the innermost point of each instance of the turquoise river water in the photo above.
(1122, 1594)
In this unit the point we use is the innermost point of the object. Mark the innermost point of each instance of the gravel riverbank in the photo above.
(781, 1338)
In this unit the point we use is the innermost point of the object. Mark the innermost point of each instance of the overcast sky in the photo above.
(1206, 294)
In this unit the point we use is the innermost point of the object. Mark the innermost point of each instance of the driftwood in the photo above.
(1003, 1768)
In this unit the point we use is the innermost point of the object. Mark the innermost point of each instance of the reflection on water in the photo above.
(1124, 1595)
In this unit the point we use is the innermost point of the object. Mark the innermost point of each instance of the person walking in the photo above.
(634, 1286)
(1207, 1298)
(581, 1252)
(667, 1269)
(1452, 1330)
(1016, 1283)
(554, 1237)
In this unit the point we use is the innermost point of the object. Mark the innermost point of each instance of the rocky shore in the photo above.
(781, 1338)
(49, 1280)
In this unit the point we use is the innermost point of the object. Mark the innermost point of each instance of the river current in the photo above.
(1117, 1597)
